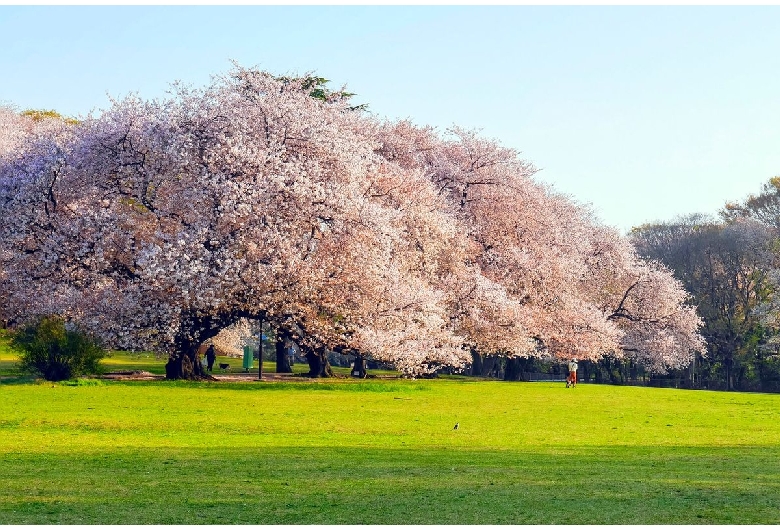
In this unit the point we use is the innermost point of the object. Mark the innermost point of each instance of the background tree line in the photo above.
(729, 265)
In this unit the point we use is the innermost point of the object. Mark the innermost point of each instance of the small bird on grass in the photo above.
(456, 427)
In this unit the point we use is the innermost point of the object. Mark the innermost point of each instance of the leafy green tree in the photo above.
(317, 88)
(727, 267)
(764, 207)
(56, 350)
(38, 115)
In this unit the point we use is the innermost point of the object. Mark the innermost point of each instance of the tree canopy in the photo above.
(156, 224)
(730, 267)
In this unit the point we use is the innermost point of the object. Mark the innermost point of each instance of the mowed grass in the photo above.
(380, 451)
(385, 452)
(117, 361)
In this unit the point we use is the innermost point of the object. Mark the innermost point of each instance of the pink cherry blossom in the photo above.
(158, 224)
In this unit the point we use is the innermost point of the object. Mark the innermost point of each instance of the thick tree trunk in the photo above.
(194, 330)
(186, 364)
(513, 369)
(602, 372)
(476, 363)
(282, 359)
(488, 365)
(318, 362)
(359, 368)
(586, 370)
(613, 370)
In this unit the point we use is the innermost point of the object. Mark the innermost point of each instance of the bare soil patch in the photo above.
(134, 375)
(140, 375)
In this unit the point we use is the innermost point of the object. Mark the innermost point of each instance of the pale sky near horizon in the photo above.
(646, 113)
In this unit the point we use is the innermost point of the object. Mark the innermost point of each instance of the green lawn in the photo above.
(9, 359)
(384, 452)
(155, 363)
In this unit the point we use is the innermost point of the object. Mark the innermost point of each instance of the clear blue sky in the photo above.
(644, 112)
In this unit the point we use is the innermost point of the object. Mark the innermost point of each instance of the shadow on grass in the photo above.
(343, 385)
(19, 379)
(349, 485)
(32, 379)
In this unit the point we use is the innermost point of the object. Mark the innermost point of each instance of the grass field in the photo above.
(384, 452)
(149, 362)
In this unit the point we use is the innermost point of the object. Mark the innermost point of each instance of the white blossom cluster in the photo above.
(158, 224)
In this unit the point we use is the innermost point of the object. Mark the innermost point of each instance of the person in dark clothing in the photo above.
(210, 357)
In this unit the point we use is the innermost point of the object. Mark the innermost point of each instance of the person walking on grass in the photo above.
(210, 357)
(572, 379)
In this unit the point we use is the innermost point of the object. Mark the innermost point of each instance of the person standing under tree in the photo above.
(210, 357)
(572, 379)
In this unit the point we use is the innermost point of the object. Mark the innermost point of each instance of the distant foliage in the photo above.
(20, 128)
(56, 350)
(38, 115)
(731, 268)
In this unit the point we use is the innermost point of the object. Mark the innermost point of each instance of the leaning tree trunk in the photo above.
(318, 362)
(185, 364)
(184, 361)
(282, 359)
(194, 330)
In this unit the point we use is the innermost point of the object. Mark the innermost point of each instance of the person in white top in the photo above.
(572, 379)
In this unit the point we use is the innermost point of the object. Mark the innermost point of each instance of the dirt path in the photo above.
(137, 375)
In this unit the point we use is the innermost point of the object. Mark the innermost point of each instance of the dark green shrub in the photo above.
(57, 352)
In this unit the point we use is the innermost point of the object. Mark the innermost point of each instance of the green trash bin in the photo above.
(248, 361)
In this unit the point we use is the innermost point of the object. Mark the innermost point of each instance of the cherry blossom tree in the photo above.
(16, 127)
(560, 284)
(17, 130)
(158, 224)
(649, 306)
(12, 130)
(230, 341)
